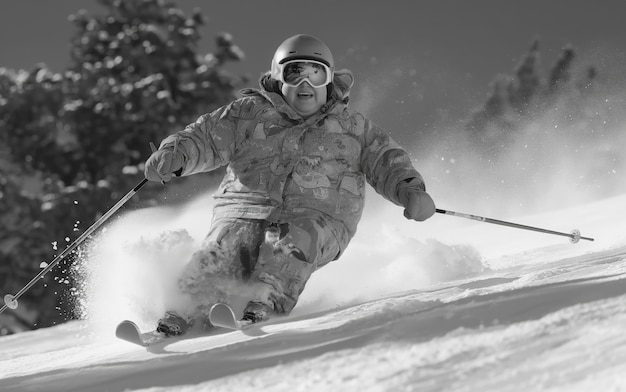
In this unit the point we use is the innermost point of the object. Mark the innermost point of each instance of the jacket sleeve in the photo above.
(208, 143)
(386, 165)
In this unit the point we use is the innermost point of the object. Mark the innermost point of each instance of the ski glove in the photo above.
(418, 205)
(164, 163)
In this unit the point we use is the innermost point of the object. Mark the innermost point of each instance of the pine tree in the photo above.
(526, 82)
(74, 142)
(561, 73)
(516, 100)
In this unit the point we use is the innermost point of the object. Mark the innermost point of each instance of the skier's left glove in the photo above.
(418, 205)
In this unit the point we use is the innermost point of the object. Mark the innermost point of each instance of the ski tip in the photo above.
(127, 322)
(220, 306)
(222, 315)
(124, 326)
(221, 310)
(130, 332)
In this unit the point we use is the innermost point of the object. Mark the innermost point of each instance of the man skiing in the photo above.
(297, 161)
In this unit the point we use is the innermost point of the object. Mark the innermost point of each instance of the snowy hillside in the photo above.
(447, 305)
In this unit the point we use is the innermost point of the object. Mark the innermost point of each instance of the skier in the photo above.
(293, 193)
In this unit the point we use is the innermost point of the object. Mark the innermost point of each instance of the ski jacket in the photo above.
(282, 166)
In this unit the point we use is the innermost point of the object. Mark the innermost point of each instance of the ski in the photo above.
(222, 315)
(130, 332)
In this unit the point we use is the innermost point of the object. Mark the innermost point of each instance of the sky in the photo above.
(436, 58)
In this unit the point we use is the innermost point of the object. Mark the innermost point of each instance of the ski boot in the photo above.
(172, 324)
(255, 312)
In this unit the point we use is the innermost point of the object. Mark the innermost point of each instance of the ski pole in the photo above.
(574, 236)
(10, 301)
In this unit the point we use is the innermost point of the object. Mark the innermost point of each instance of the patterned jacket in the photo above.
(282, 166)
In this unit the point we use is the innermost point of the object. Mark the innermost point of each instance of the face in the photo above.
(305, 99)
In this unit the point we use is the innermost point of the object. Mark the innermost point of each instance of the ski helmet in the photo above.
(301, 47)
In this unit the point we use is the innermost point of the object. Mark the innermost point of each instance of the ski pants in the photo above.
(265, 263)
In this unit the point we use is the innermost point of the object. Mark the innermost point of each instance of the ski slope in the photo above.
(445, 305)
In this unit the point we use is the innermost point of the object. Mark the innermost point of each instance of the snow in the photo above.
(449, 305)
(445, 305)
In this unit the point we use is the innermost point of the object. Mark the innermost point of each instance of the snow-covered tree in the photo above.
(72, 143)
(516, 100)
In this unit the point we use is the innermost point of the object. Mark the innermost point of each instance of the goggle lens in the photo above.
(297, 71)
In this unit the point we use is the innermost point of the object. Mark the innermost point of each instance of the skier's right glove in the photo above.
(163, 164)
(418, 205)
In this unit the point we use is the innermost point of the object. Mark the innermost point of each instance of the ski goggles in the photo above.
(295, 72)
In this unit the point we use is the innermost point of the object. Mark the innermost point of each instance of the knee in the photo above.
(204, 261)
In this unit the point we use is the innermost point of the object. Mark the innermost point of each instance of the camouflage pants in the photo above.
(266, 263)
